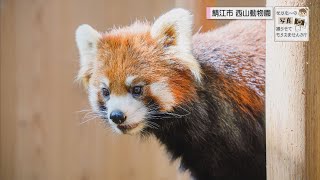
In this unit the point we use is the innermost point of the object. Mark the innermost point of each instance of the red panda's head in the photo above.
(133, 72)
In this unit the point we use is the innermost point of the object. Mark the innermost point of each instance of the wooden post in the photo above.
(292, 101)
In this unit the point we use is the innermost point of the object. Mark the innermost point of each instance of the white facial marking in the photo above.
(162, 91)
(93, 92)
(129, 80)
(105, 81)
(93, 97)
(134, 110)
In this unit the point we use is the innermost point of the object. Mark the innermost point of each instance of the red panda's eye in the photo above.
(105, 92)
(136, 90)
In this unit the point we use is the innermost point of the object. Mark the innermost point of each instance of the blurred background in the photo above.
(43, 133)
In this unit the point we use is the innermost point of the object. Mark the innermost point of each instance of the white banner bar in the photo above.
(239, 12)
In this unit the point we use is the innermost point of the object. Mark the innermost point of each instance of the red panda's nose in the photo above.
(117, 117)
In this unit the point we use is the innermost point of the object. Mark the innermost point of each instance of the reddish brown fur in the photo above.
(171, 34)
(120, 56)
(237, 53)
(124, 54)
(241, 95)
(224, 128)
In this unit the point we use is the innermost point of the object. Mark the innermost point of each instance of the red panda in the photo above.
(201, 96)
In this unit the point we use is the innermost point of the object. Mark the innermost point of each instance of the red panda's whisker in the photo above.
(152, 125)
(93, 118)
(178, 106)
(170, 114)
(89, 114)
(84, 110)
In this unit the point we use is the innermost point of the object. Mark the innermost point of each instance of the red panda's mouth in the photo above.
(127, 127)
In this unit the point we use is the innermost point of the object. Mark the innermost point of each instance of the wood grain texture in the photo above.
(312, 66)
(7, 90)
(41, 136)
(292, 97)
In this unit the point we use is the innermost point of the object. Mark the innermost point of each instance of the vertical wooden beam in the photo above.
(292, 99)
(7, 90)
(312, 64)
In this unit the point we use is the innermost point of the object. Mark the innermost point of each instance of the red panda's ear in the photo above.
(173, 31)
(87, 39)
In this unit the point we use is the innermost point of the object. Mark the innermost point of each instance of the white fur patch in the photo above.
(93, 97)
(87, 39)
(129, 80)
(162, 91)
(181, 20)
(105, 81)
(134, 110)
